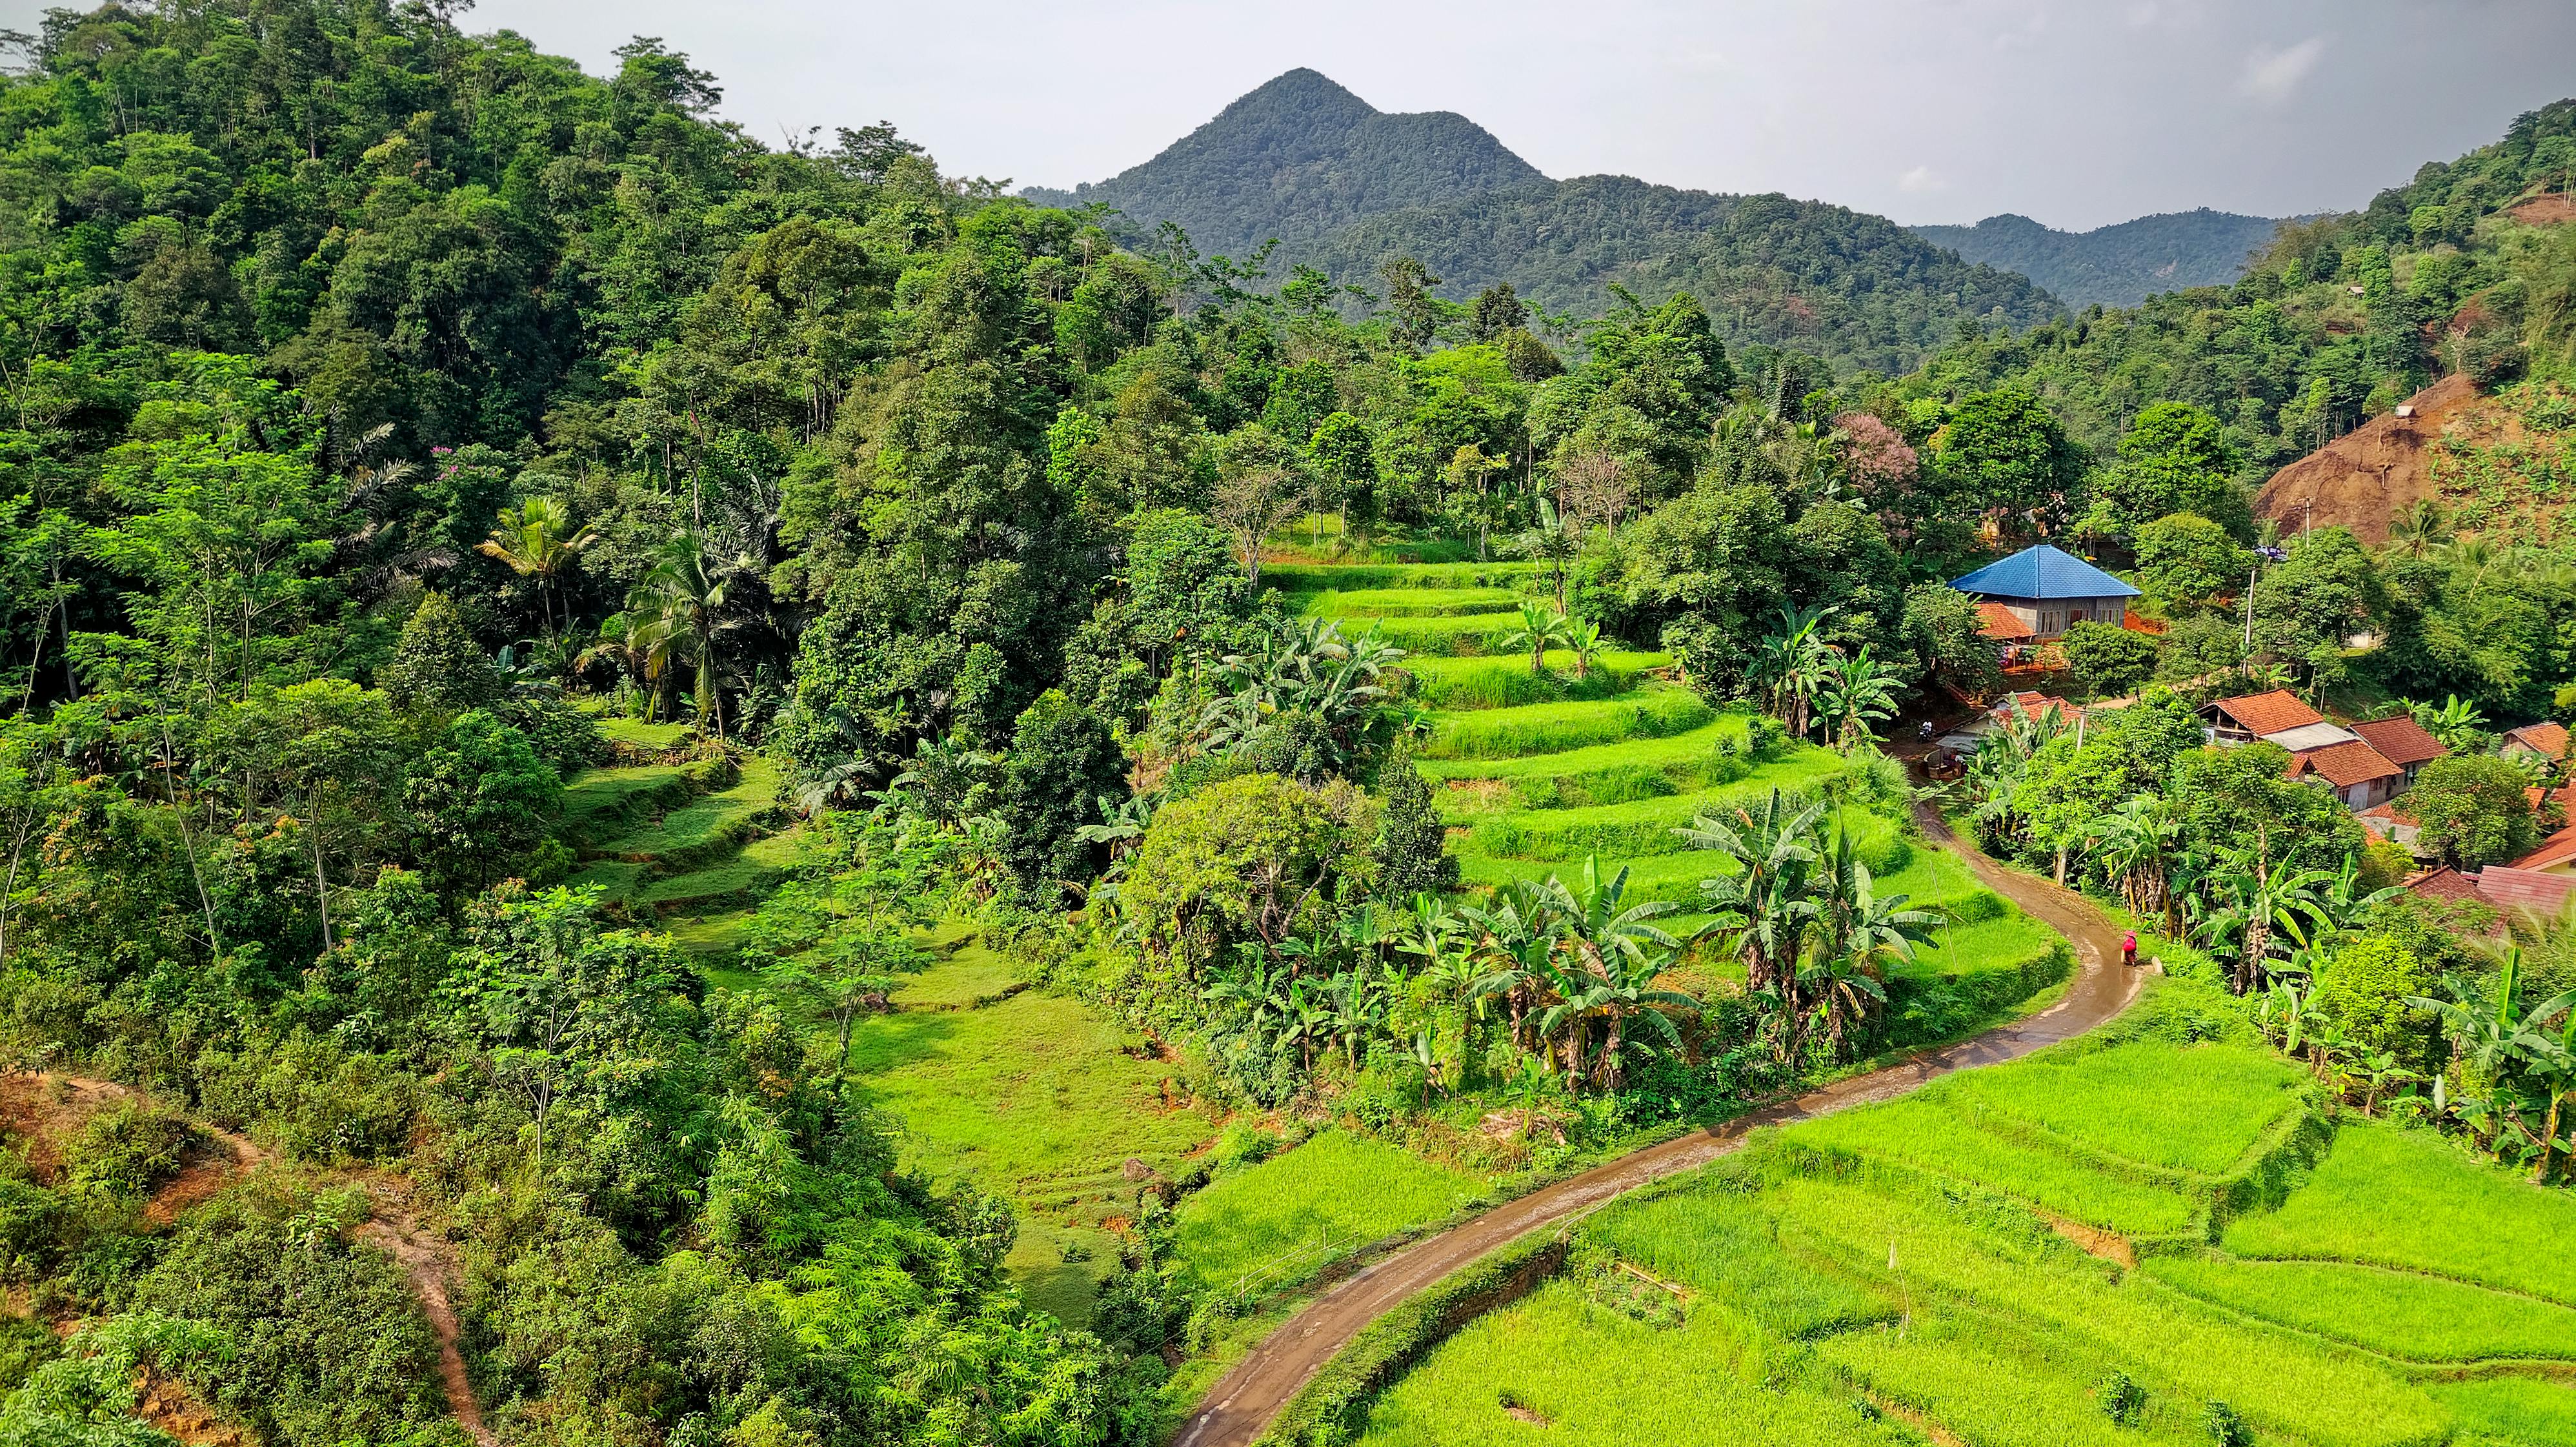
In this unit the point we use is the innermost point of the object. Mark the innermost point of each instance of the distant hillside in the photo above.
(2118, 265)
(1856, 289)
(1297, 158)
(1347, 187)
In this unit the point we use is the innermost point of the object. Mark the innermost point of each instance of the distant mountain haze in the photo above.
(2118, 265)
(1346, 187)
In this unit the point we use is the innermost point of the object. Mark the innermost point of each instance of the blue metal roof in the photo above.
(2043, 572)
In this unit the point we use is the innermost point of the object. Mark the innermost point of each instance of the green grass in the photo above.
(1720, 1242)
(1547, 728)
(2512, 1410)
(1963, 1374)
(1928, 1133)
(2049, 1292)
(1322, 577)
(2133, 1101)
(2012, 942)
(728, 816)
(1507, 682)
(618, 728)
(1405, 602)
(1306, 1206)
(1690, 747)
(2389, 1196)
(1639, 828)
(2418, 1318)
(1602, 1380)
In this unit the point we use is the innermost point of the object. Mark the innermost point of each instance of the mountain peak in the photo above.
(1300, 155)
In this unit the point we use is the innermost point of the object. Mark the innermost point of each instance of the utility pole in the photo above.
(2251, 574)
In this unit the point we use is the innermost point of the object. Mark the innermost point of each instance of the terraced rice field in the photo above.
(1974, 1263)
(686, 846)
(1539, 770)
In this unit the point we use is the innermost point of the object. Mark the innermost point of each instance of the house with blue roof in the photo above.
(2031, 596)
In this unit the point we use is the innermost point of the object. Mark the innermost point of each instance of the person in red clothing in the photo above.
(2129, 948)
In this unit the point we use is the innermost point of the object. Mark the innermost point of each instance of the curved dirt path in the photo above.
(1242, 1404)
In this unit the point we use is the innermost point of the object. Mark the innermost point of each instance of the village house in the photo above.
(2033, 595)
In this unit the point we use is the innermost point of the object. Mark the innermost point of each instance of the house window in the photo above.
(2051, 622)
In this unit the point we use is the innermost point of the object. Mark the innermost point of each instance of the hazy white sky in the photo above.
(1925, 110)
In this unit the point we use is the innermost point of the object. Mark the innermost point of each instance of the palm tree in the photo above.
(2257, 903)
(639, 642)
(1860, 935)
(2132, 843)
(1857, 691)
(537, 540)
(1763, 906)
(1584, 637)
(1550, 543)
(684, 591)
(1791, 666)
(1540, 628)
(2419, 527)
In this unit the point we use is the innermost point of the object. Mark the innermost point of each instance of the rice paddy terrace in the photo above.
(2151, 1240)
(1540, 769)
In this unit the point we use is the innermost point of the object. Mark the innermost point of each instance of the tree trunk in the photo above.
(2548, 1139)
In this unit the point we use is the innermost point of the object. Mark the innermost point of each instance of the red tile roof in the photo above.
(2000, 623)
(2554, 852)
(2547, 739)
(2268, 713)
(2343, 765)
(2528, 889)
(2401, 740)
(2445, 883)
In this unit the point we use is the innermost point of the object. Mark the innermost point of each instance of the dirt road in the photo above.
(1242, 1404)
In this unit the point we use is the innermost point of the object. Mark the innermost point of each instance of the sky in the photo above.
(2076, 114)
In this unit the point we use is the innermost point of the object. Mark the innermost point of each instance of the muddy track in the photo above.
(1242, 1404)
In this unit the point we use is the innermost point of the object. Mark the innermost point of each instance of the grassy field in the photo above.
(2414, 1201)
(1291, 1213)
(1911, 1258)
(1035, 1097)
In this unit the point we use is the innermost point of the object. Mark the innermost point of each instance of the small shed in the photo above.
(2044, 590)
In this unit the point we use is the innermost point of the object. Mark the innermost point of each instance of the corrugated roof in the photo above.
(2402, 741)
(2344, 765)
(2043, 572)
(2312, 736)
(2263, 714)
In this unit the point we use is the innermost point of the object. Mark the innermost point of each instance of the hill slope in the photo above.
(1346, 187)
(2118, 265)
(1856, 289)
(1299, 157)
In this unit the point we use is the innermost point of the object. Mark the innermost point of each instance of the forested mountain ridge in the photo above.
(1295, 158)
(1855, 289)
(2117, 265)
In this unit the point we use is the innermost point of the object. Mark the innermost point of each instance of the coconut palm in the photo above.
(687, 590)
(537, 540)
(2418, 528)
(1549, 542)
(1540, 630)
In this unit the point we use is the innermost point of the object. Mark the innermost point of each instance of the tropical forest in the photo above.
(665, 790)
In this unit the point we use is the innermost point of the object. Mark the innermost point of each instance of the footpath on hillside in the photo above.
(1241, 1406)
